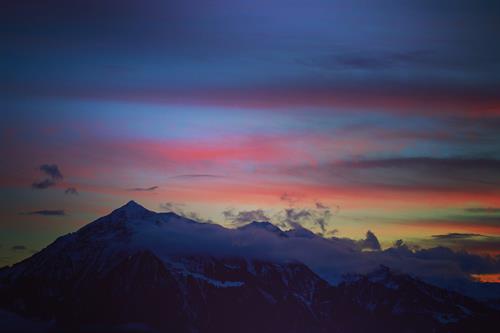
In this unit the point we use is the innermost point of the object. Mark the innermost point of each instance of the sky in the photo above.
(342, 116)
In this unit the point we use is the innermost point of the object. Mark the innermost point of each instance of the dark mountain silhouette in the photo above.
(117, 275)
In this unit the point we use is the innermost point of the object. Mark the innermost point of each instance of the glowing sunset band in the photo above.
(487, 278)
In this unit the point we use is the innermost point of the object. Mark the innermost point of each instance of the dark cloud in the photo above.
(143, 189)
(491, 210)
(334, 209)
(426, 162)
(291, 217)
(290, 199)
(474, 243)
(52, 171)
(399, 243)
(246, 216)
(332, 232)
(178, 208)
(18, 248)
(320, 205)
(374, 61)
(196, 176)
(322, 219)
(426, 173)
(71, 190)
(331, 257)
(171, 206)
(43, 184)
(469, 263)
(455, 235)
(46, 212)
(370, 242)
(196, 217)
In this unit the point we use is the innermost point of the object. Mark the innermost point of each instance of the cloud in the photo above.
(365, 61)
(331, 258)
(46, 212)
(320, 205)
(290, 199)
(196, 176)
(43, 184)
(143, 189)
(469, 263)
(370, 242)
(178, 208)
(455, 235)
(470, 242)
(290, 217)
(414, 173)
(245, 216)
(52, 171)
(196, 217)
(71, 190)
(399, 243)
(426, 162)
(491, 210)
(171, 206)
(18, 248)
(332, 232)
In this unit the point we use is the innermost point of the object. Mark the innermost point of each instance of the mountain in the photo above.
(397, 299)
(263, 226)
(135, 270)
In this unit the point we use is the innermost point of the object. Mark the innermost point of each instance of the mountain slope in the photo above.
(141, 271)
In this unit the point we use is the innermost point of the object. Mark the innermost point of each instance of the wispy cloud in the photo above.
(43, 184)
(71, 190)
(483, 210)
(201, 175)
(143, 189)
(179, 209)
(171, 206)
(51, 170)
(18, 248)
(290, 199)
(46, 212)
(245, 216)
(456, 235)
(53, 173)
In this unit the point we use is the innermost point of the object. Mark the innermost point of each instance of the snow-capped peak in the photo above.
(132, 210)
(266, 226)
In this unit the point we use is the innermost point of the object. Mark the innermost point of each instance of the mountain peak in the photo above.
(132, 204)
(264, 225)
(132, 210)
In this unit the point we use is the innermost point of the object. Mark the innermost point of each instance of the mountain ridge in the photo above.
(151, 272)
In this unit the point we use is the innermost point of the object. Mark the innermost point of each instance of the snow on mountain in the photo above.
(163, 272)
(263, 226)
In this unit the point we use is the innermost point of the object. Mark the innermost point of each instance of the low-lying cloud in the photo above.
(331, 258)
(245, 216)
(179, 209)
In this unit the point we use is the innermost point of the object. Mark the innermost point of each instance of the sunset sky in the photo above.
(342, 116)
